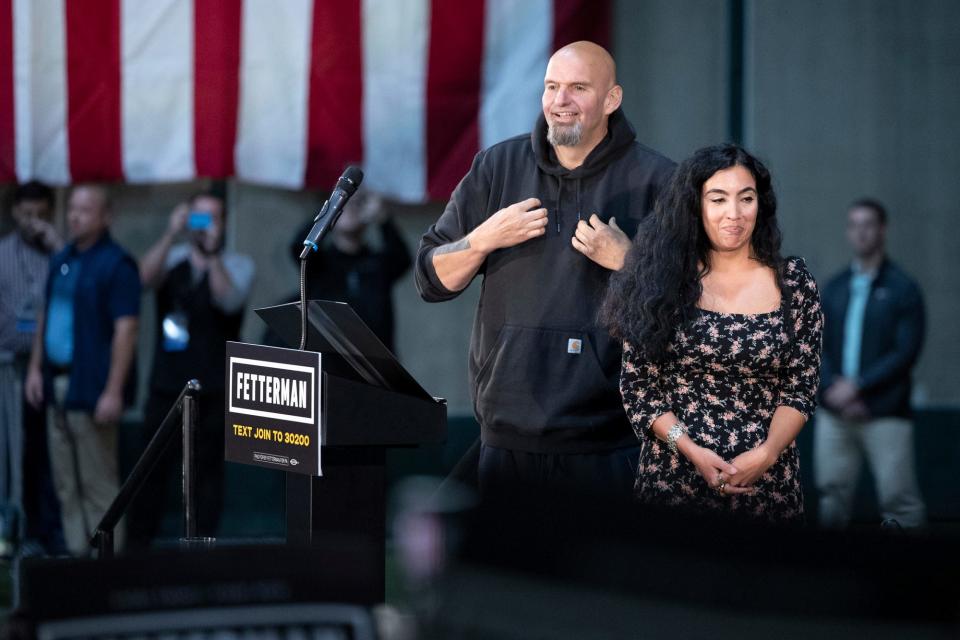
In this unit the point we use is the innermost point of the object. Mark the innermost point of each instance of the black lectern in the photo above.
(369, 402)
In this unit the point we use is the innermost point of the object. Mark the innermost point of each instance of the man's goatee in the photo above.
(564, 136)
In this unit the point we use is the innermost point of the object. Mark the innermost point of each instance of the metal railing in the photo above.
(186, 406)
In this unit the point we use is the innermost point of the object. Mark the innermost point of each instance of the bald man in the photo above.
(544, 219)
(82, 366)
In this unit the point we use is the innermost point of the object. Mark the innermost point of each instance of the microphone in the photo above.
(330, 212)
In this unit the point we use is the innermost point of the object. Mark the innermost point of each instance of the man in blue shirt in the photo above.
(874, 327)
(82, 362)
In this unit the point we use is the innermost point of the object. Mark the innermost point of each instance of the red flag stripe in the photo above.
(93, 89)
(216, 85)
(334, 118)
(454, 76)
(8, 170)
(575, 20)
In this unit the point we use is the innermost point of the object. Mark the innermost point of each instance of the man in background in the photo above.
(82, 362)
(201, 290)
(873, 331)
(30, 506)
(350, 268)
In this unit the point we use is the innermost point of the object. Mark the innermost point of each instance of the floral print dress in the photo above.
(725, 377)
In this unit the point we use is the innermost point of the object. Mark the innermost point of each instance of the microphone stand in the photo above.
(303, 303)
(346, 187)
(304, 255)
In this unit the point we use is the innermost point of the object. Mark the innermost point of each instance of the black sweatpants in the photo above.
(605, 475)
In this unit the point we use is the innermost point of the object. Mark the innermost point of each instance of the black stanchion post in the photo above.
(102, 538)
(188, 412)
(189, 471)
(104, 544)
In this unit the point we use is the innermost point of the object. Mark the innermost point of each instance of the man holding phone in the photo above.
(201, 290)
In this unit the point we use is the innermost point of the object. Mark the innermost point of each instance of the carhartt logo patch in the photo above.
(574, 345)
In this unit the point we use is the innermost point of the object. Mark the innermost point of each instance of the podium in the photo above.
(369, 403)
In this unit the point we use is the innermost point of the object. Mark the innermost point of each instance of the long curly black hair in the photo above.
(659, 286)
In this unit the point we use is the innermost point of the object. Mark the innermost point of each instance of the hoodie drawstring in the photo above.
(560, 199)
(578, 200)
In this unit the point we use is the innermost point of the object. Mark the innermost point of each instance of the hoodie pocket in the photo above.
(539, 380)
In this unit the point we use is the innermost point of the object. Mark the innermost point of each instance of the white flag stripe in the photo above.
(274, 71)
(40, 86)
(518, 36)
(395, 53)
(157, 90)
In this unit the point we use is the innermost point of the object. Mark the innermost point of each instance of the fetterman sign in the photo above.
(273, 408)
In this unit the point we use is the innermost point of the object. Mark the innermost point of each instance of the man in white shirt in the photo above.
(201, 290)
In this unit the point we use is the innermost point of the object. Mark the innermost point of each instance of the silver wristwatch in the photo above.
(673, 434)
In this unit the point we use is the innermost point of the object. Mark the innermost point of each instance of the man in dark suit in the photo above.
(872, 337)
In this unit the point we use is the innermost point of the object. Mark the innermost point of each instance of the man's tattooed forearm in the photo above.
(460, 245)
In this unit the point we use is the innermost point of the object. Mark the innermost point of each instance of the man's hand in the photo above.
(213, 236)
(109, 408)
(510, 226)
(373, 210)
(43, 233)
(856, 411)
(605, 244)
(33, 387)
(457, 263)
(178, 219)
(839, 394)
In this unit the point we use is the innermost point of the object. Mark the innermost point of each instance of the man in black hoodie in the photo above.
(545, 218)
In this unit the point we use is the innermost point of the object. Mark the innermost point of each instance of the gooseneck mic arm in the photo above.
(330, 212)
(322, 224)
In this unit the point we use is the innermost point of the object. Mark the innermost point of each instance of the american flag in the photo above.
(276, 92)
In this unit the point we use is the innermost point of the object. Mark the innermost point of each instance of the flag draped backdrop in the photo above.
(277, 92)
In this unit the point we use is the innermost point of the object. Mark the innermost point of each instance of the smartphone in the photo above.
(199, 220)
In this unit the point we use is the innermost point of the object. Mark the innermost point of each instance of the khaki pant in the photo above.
(83, 457)
(839, 447)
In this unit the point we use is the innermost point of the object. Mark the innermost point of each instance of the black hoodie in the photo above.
(543, 376)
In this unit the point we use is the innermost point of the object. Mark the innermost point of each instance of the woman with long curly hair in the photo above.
(721, 341)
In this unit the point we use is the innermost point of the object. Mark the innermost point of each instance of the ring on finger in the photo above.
(721, 489)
